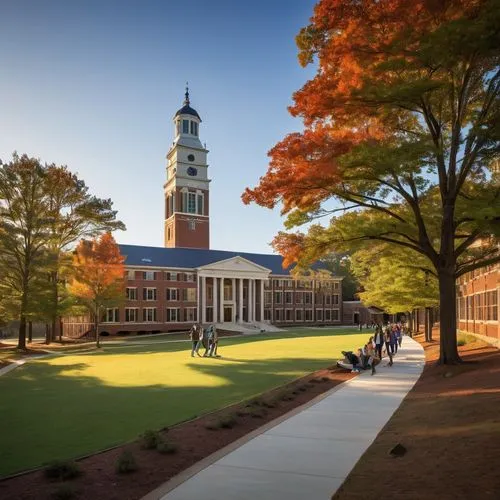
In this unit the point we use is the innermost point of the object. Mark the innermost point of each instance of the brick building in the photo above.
(170, 288)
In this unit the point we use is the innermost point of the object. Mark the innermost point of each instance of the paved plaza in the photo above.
(310, 453)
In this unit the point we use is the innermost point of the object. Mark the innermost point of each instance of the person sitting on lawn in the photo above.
(352, 359)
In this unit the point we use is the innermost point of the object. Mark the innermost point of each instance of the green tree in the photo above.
(23, 233)
(340, 265)
(74, 214)
(402, 121)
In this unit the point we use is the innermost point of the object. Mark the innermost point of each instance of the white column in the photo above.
(254, 297)
(198, 303)
(214, 303)
(249, 301)
(241, 301)
(222, 300)
(203, 300)
(233, 298)
(313, 300)
(262, 300)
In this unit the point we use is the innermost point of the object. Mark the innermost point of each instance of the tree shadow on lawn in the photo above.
(48, 414)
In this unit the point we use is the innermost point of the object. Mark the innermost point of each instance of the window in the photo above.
(278, 283)
(267, 283)
(289, 283)
(278, 315)
(112, 315)
(131, 293)
(185, 126)
(227, 291)
(319, 315)
(328, 315)
(200, 204)
(268, 297)
(194, 128)
(190, 314)
(173, 315)
(307, 297)
(171, 276)
(328, 300)
(148, 275)
(298, 315)
(189, 295)
(172, 294)
(289, 315)
(130, 274)
(149, 314)
(210, 292)
(191, 277)
(335, 314)
(299, 298)
(336, 299)
(288, 297)
(149, 293)
(277, 298)
(191, 204)
(131, 314)
(267, 314)
(308, 314)
(336, 285)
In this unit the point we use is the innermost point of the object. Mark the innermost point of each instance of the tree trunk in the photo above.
(30, 331)
(448, 318)
(21, 344)
(60, 329)
(96, 327)
(431, 322)
(55, 301)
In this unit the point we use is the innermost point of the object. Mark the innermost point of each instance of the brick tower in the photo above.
(186, 189)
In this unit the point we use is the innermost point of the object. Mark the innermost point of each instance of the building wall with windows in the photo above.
(478, 297)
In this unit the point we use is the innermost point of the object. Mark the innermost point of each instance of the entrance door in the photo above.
(356, 318)
(228, 314)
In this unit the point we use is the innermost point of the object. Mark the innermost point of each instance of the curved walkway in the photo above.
(309, 454)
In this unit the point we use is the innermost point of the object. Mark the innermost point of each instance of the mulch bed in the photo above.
(450, 426)
(194, 441)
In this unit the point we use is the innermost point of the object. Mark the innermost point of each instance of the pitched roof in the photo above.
(192, 258)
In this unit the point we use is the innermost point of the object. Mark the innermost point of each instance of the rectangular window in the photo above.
(149, 293)
(319, 315)
(335, 300)
(149, 314)
(191, 208)
(130, 274)
(277, 298)
(131, 314)
(173, 315)
(172, 276)
(267, 314)
(289, 315)
(278, 315)
(112, 315)
(268, 297)
(308, 314)
(190, 314)
(328, 315)
(278, 283)
(328, 300)
(288, 297)
(172, 294)
(189, 294)
(267, 283)
(299, 298)
(185, 126)
(131, 293)
(336, 285)
(148, 275)
(335, 314)
(200, 204)
(299, 315)
(191, 277)
(307, 297)
(227, 292)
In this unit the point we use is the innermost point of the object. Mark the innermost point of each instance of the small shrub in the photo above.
(64, 492)
(166, 448)
(126, 463)
(258, 413)
(150, 440)
(325, 379)
(463, 339)
(61, 470)
(302, 388)
(241, 413)
(269, 403)
(211, 426)
(227, 422)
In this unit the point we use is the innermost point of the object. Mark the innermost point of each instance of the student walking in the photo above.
(201, 337)
(215, 342)
(193, 335)
(388, 350)
(378, 340)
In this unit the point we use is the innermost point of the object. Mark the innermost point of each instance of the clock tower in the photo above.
(186, 189)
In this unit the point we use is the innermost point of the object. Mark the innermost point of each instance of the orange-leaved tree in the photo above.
(402, 125)
(98, 276)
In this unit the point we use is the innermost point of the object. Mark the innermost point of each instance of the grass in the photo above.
(465, 338)
(63, 407)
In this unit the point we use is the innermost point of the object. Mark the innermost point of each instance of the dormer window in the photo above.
(194, 128)
(185, 126)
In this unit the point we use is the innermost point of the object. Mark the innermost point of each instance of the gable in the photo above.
(237, 266)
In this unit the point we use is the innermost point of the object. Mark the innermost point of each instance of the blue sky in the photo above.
(94, 85)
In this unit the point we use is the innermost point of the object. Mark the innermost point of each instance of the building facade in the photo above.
(170, 288)
(477, 302)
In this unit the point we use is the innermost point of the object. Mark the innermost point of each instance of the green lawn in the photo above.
(67, 406)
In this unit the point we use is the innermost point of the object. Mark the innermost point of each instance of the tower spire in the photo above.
(186, 95)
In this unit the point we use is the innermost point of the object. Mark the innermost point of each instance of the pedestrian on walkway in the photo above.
(209, 332)
(378, 340)
(193, 335)
(201, 339)
(388, 350)
(215, 342)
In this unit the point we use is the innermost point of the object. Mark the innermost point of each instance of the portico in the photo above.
(231, 291)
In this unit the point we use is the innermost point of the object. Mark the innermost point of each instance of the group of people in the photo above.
(386, 340)
(204, 337)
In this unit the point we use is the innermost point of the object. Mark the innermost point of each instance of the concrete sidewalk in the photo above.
(309, 455)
